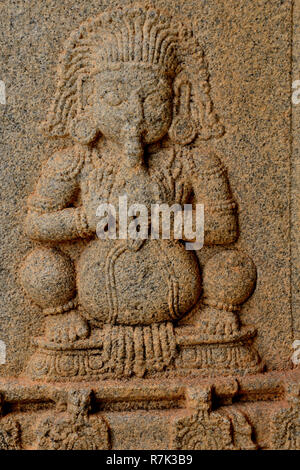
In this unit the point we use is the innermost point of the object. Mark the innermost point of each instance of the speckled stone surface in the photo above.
(251, 49)
(295, 179)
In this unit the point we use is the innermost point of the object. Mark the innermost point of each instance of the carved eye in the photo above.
(112, 98)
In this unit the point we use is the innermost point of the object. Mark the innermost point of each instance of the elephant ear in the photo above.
(193, 113)
(68, 114)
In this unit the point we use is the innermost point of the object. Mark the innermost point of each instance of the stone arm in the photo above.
(51, 216)
(211, 188)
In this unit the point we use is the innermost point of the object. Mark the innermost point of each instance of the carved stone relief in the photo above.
(147, 85)
(205, 429)
(74, 429)
(141, 324)
(285, 424)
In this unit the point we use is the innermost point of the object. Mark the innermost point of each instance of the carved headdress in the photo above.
(143, 36)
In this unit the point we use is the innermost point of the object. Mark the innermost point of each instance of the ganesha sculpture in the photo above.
(133, 95)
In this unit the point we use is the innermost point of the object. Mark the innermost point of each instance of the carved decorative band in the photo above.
(220, 305)
(129, 350)
(81, 223)
(222, 206)
(210, 360)
(71, 305)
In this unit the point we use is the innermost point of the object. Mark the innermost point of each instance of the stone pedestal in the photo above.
(210, 414)
(212, 357)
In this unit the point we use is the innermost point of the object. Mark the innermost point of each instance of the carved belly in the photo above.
(159, 282)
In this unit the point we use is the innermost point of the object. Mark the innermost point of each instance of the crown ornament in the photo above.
(140, 36)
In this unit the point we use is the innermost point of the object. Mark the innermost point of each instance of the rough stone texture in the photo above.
(295, 180)
(105, 336)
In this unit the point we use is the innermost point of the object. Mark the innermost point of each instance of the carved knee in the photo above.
(48, 277)
(228, 279)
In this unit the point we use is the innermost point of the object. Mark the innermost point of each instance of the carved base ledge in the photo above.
(197, 354)
(214, 356)
(250, 412)
(50, 364)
